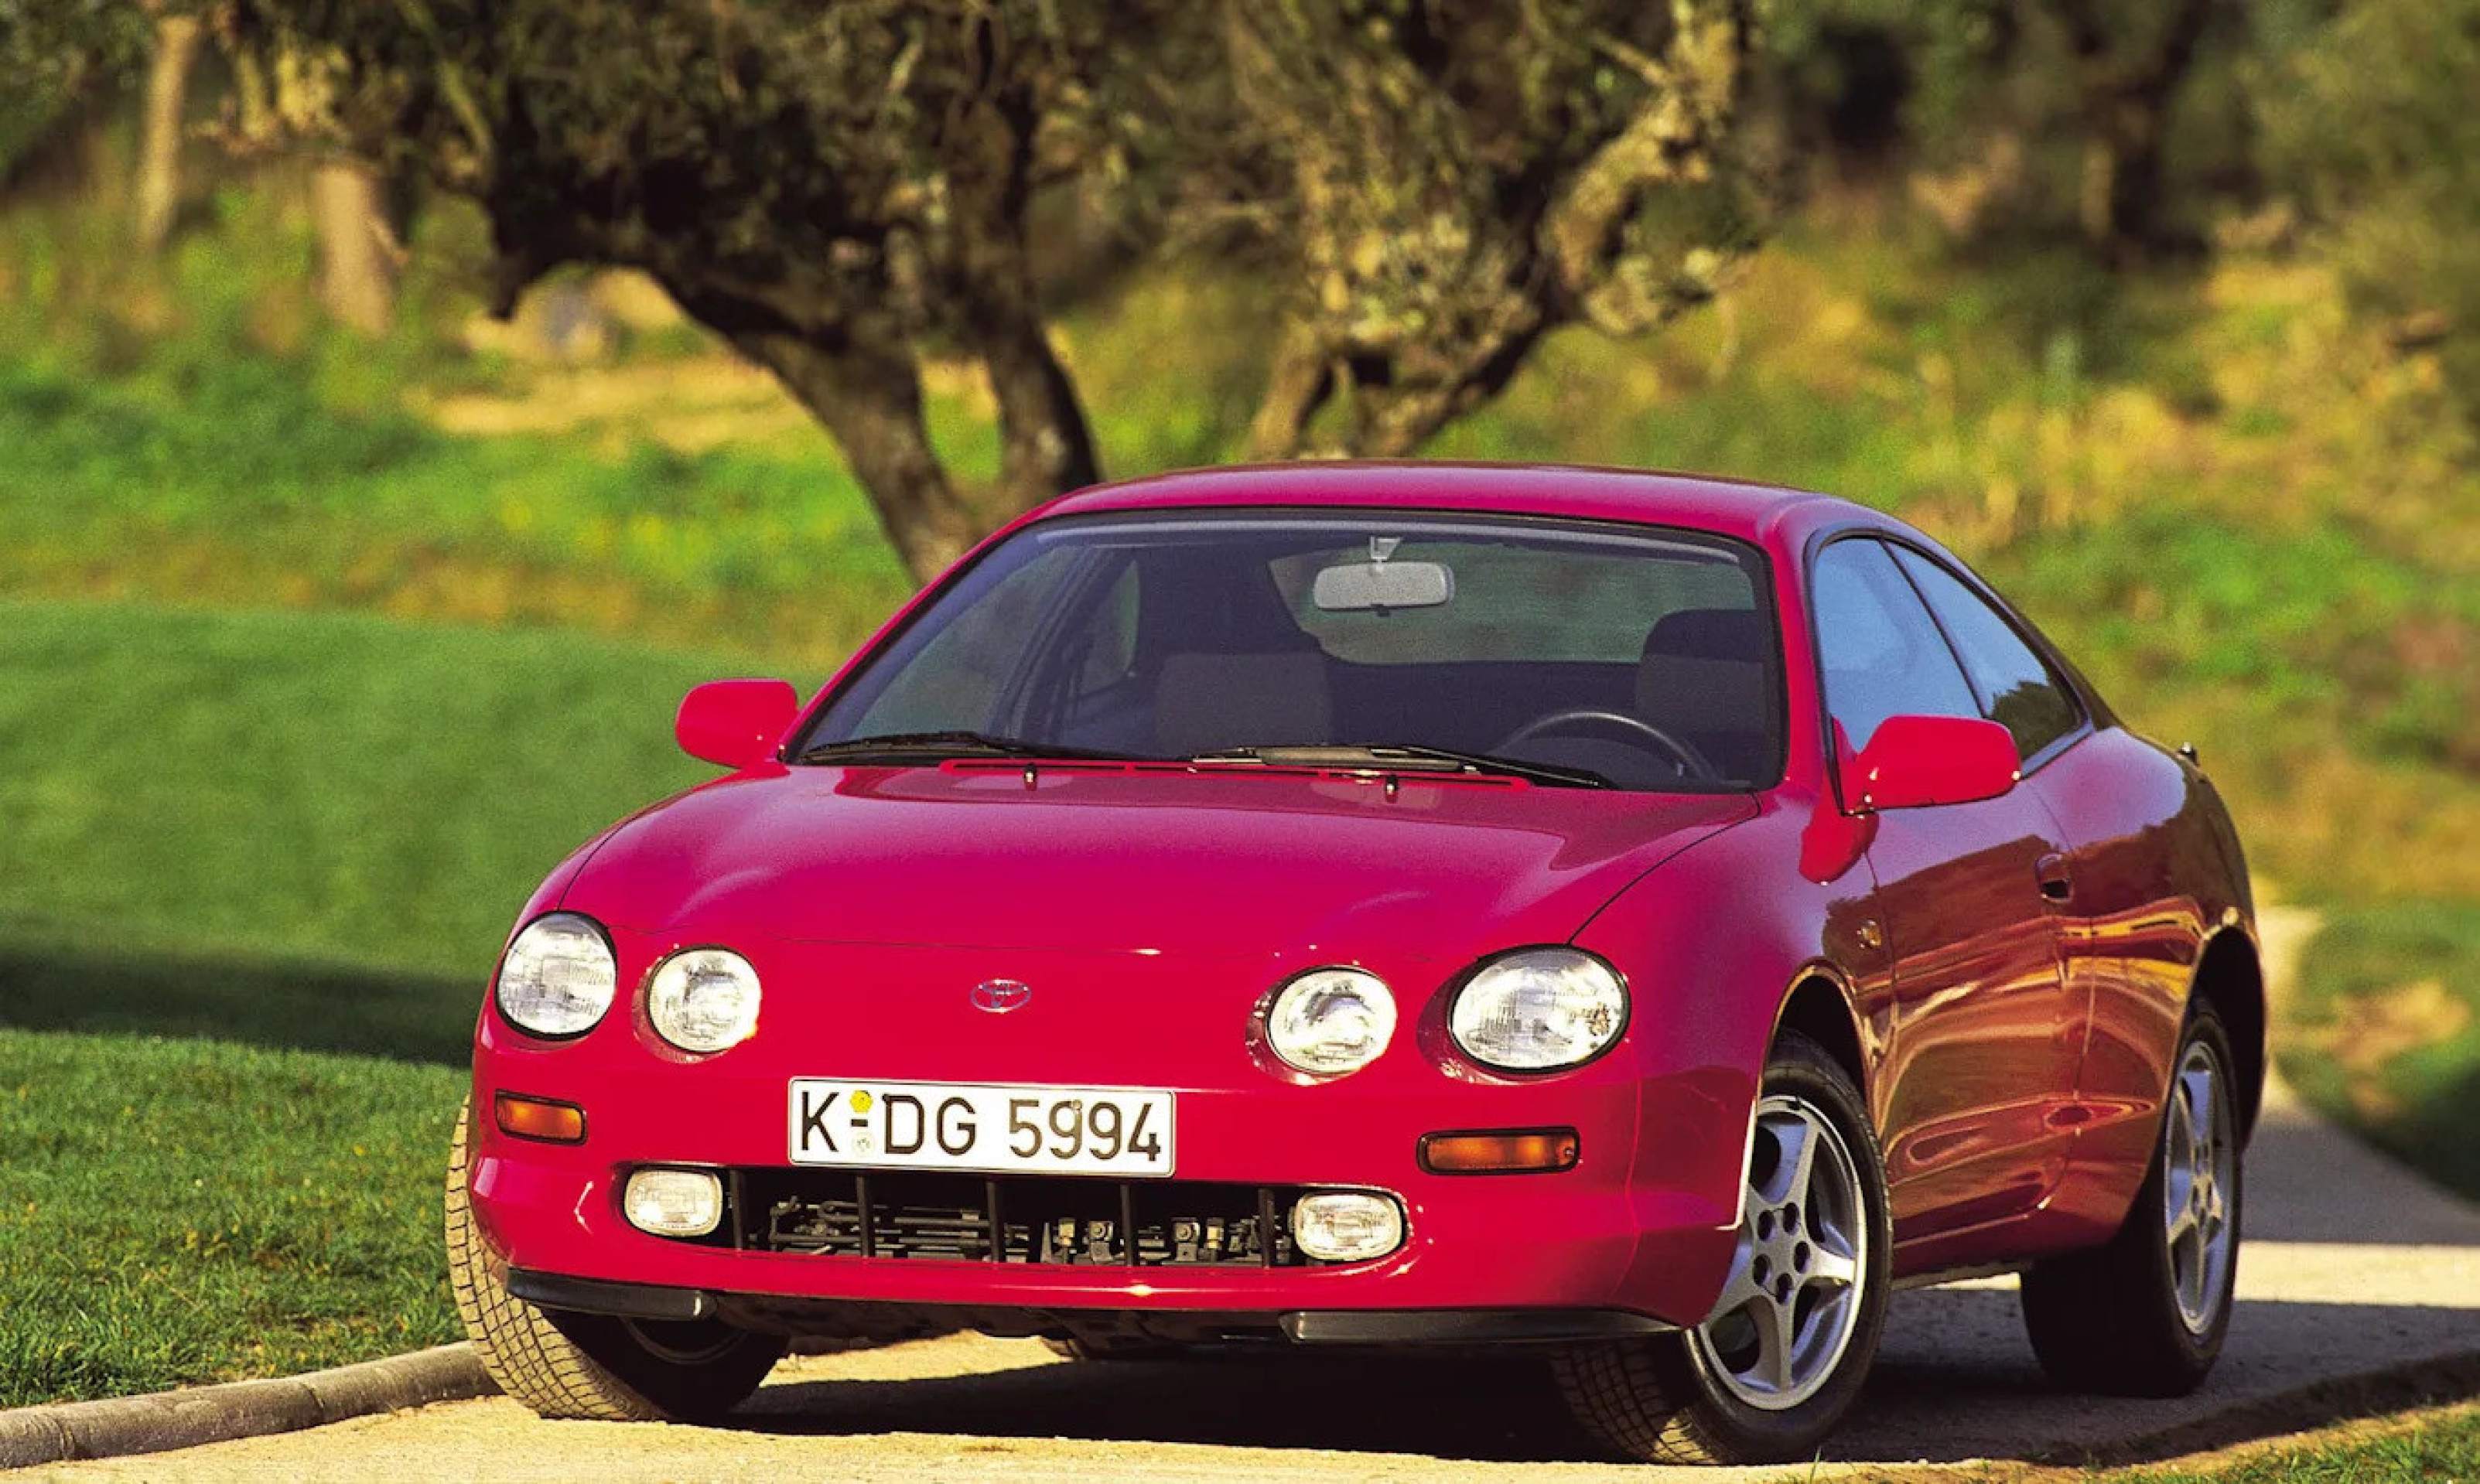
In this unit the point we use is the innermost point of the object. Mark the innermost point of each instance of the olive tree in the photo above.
(832, 188)
(841, 190)
(1452, 183)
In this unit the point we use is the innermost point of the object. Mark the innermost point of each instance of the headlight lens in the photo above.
(705, 998)
(557, 978)
(1331, 1021)
(1539, 1009)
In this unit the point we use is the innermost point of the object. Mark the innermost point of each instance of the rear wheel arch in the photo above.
(2229, 977)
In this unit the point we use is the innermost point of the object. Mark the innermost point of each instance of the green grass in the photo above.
(175, 1212)
(311, 786)
(2440, 1449)
(256, 869)
(2385, 1033)
(229, 481)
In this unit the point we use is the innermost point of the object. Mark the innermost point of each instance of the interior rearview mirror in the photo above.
(1917, 761)
(736, 722)
(1358, 586)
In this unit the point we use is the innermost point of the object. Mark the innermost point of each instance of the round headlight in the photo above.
(1537, 1010)
(705, 998)
(557, 978)
(1331, 1021)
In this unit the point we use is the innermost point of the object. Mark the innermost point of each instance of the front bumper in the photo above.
(1643, 1225)
(1587, 1240)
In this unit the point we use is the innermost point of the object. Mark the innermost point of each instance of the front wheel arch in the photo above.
(1819, 1009)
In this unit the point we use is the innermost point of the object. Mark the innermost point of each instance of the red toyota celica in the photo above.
(1642, 917)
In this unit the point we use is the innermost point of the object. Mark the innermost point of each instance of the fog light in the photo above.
(539, 1117)
(1347, 1226)
(674, 1202)
(1511, 1152)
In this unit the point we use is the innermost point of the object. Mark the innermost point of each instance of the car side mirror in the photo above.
(1917, 760)
(736, 722)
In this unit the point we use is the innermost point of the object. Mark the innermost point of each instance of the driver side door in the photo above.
(1981, 1040)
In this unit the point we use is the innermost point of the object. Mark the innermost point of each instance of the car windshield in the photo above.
(1570, 652)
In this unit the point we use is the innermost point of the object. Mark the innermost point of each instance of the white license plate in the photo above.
(937, 1125)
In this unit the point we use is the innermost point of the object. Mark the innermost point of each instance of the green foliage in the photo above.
(179, 1212)
(1446, 188)
(2387, 1031)
(55, 54)
(2375, 126)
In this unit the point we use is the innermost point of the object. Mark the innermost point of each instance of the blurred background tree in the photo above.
(1448, 185)
(840, 190)
(2377, 128)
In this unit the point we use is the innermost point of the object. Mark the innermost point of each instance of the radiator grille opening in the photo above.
(1014, 1219)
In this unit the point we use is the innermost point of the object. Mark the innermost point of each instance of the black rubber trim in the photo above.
(1463, 1326)
(1304, 1327)
(624, 1300)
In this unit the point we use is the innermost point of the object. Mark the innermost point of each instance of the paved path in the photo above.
(2352, 1268)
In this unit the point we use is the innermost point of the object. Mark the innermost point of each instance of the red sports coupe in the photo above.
(1642, 917)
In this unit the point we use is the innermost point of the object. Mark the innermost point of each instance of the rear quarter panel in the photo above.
(2154, 880)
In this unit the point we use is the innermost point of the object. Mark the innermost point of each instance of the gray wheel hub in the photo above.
(1793, 1299)
(2199, 1167)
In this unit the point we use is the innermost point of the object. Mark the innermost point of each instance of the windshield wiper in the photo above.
(1407, 757)
(955, 743)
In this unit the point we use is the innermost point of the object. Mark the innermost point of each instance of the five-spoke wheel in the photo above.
(2144, 1314)
(1788, 1309)
(1784, 1351)
(2199, 1165)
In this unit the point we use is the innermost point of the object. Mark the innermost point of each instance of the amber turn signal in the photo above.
(1502, 1152)
(536, 1117)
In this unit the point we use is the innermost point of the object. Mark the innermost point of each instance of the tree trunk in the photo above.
(1296, 385)
(356, 249)
(159, 148)
(1045, 447)
(870, 400)
(2127, 88)
(2123, 198)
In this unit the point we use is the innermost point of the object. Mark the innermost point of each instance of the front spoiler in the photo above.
(873, 1319)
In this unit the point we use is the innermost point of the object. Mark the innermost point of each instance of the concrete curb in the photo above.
(238, 1409)
(2424, 1383)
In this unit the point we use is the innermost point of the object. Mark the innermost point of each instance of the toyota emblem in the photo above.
(998, 996)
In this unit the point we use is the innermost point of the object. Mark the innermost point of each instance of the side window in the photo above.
(2018, 688)
(1881, 653)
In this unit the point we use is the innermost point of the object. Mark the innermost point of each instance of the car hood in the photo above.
(1133, 859)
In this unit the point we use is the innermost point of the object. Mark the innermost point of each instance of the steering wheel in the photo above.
(1691, 762)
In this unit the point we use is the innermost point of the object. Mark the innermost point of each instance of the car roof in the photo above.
(1732, 507)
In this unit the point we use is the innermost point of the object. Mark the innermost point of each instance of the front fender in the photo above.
(1713, 943)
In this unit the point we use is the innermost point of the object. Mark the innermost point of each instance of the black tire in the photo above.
(2108, 1320)
(591, 1366)
(1660, 1399)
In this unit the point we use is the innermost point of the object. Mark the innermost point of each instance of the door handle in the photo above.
(2051, 871)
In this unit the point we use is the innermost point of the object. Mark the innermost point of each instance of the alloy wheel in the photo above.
(2197, 1162)
(1788, 1311)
